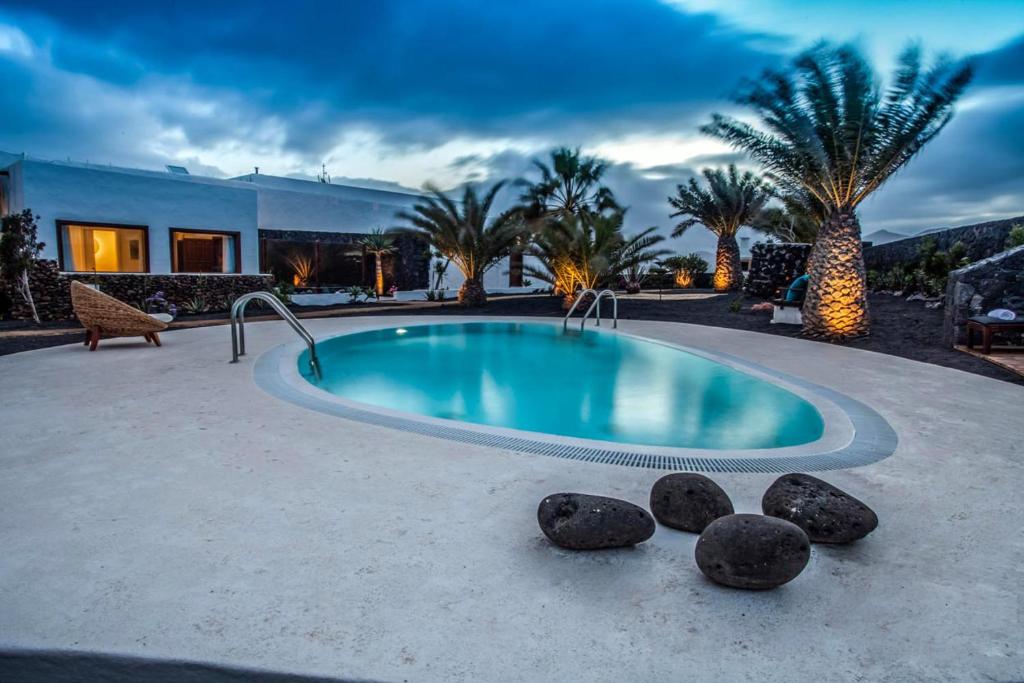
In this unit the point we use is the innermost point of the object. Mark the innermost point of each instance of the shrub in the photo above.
(687, 268)
(1016, 236)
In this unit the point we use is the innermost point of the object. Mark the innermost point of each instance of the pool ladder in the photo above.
(238, 326)
(596, 304)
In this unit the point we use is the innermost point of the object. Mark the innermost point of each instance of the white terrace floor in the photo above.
(154, 502)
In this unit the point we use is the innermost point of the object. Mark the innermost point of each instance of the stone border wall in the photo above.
(996, 282)
(773, 266)
(51, 289)
(981, 240)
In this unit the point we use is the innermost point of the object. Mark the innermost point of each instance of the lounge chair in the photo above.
(104, 316)
(789, 302)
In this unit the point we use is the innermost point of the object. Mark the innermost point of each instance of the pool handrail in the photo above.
(579, 298)
(238, 326)
(597, 302)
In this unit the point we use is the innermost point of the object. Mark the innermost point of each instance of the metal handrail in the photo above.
(238, 326)
(597, 304)
(565, 320)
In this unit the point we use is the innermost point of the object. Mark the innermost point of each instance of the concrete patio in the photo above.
(156, 503)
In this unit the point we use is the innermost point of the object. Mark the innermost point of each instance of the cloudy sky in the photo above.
(399, 93)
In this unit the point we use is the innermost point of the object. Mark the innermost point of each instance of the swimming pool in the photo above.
(535, 377)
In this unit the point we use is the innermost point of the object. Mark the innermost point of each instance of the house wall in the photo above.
(496, 277)
(159, 201)
(293, 204)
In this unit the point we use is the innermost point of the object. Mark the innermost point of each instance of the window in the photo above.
(196, 251)
(102, 248)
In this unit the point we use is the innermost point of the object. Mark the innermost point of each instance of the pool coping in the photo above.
(865, 438)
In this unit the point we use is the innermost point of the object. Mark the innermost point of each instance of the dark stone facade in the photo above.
(408, 269)
(51, 289)
(981, 241)
(996, 282)
(773, 266)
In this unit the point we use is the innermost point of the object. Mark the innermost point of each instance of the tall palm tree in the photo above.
(569, 185)
(577, 252)
(829, 130)
(462, 233)
(729, 202)
(378, 243)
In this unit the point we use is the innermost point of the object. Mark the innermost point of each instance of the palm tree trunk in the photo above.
(472, 293)
(836, 306)
(380, 275)
(515, 267)
(728, 267)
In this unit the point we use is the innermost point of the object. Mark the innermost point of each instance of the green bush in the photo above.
(1016, 237)
(927, 273)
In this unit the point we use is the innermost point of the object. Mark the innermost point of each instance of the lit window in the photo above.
(103, 248)
(204, 252)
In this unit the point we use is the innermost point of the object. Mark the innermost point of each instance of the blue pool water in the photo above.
(598, 385)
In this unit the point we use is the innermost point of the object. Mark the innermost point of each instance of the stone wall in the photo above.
(981, 241)
(996, 282)
(51, 289)
(409, 269)
(773, 266)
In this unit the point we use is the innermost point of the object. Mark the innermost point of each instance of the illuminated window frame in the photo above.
(61, 224)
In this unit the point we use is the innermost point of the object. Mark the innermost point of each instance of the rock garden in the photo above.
(747, 551)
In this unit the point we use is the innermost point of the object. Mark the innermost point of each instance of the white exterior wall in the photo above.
(291, 204)
(91, 194)
(495, 278)
(58, 191)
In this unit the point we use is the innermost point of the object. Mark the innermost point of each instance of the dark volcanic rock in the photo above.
(688, 501)
(582, 522)
(825, 513)
(752, 551)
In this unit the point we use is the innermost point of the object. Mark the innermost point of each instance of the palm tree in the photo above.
(462, 233)
(578, 252)
(729, 202)
(378, 243)
(570, 185)
(830, 132)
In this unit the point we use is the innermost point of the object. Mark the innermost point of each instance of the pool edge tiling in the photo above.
(872, 437)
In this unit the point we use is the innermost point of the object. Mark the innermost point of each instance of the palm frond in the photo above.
(827, 129)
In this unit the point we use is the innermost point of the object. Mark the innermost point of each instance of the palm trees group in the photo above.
(828, 136)
(567, 220)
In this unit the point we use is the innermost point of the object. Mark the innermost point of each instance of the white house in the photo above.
(106, 219)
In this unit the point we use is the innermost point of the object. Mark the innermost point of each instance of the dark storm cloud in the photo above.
(420, 70)
(134, 83)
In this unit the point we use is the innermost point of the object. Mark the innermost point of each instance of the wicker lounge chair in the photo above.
(105, 316)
